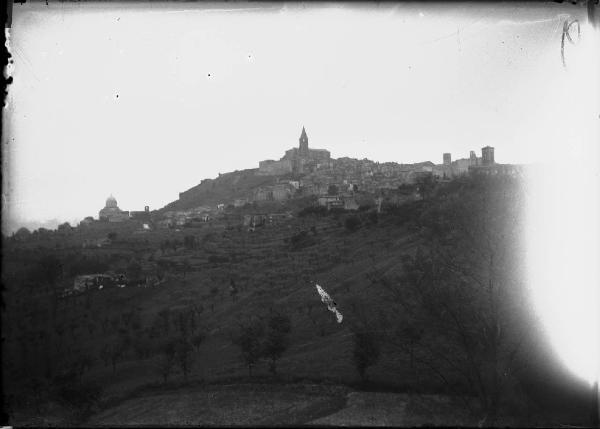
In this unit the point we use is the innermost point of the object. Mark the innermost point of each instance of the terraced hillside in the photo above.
(76, 358)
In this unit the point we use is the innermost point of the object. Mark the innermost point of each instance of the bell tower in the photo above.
(303, 149)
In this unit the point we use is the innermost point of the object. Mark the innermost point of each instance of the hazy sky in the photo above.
(145, 101)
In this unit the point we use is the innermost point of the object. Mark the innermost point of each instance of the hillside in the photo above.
(223, 189)
(114, 339)
(368, 176)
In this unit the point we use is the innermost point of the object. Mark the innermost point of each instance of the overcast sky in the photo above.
(145, 101)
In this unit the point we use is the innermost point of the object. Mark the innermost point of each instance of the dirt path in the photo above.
(236, 404)
(398, 409)
(284, 404)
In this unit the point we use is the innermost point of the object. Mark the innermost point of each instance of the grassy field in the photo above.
(228, 404)
(274, 270)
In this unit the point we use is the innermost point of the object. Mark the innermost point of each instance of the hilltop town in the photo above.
(308, 175)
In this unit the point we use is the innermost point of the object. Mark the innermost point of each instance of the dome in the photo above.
(111, 202)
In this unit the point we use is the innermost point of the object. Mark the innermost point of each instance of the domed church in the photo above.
(111, 212)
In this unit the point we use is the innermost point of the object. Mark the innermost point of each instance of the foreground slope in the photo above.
(87, 353)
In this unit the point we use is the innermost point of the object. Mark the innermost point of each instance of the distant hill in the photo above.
(10, 225)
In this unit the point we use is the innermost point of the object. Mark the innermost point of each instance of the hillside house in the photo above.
(96, 242)
(142, 216)
(282, 191)
(325, 199)
(350, 204)
(255, 220)
(331, 201)
(84, 283)
(199, 211)
(181, 219)
(294, 183)
(263, 194)
(165, 223)
(279, 217)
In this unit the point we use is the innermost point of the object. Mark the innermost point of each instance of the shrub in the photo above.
(81, 396)
(365, 352)
(372, 217)
(276, 341)
(184, 356)
(166, 361)
(190, 242)
(301, 240)
(352, 223)
(198, 339)
(336, 212)
(313, 210)
(248, 340)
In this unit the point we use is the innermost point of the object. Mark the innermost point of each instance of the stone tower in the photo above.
(473, 158)
(447, 159)
(303, 150)
(487, 155)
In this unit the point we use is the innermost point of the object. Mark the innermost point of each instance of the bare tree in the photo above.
(248, 339)
(366, 351)
(457, 305)
(197, 340)
(166, 360)
(276, 339)
(184, 356)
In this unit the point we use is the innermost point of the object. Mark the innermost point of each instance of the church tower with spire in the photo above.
(303, 150)
(299, 159)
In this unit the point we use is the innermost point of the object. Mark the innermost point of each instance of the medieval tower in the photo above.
(303, 150)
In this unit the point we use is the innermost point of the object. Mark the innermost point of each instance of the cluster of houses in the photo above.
(88, 282)
(366, 175)
(363, 175)
(253, 221)
(282, 190)
(345, 202)
(349, 177)
(304, 171)
(320, 171)
(485, 164)
(174, 218)
(90, 243)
